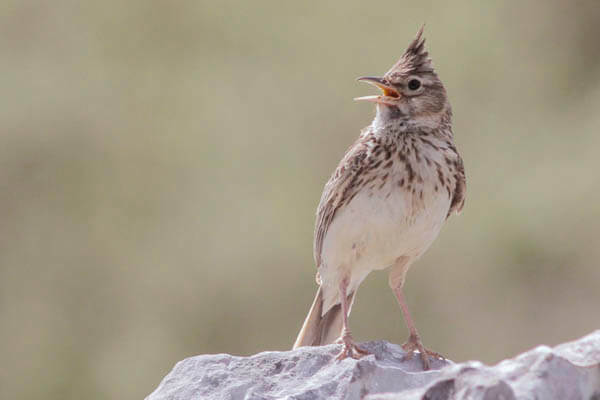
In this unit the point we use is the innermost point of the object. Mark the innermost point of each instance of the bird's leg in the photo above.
(349, 348)
(414, 340)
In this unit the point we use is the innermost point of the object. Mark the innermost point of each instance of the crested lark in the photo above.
(387, 200)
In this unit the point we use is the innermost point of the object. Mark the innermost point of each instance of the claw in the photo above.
(352, 351)
(349, 348)
(413, 344)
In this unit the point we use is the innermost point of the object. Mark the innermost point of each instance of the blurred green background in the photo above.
(161, 163)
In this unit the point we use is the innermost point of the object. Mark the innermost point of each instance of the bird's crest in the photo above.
(415, 59)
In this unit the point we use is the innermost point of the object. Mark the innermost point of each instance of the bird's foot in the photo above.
(349, 348)
(413, 344)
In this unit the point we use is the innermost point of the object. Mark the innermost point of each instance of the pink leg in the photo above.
(349, 349)
(414, 340)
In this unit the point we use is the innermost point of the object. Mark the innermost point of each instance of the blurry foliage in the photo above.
(161, 162)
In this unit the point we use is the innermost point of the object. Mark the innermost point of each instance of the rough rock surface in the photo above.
(568, 371)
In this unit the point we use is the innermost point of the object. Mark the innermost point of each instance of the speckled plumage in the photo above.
(390, 194)
(405, 169)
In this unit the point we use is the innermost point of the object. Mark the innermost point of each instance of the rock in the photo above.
(305, 373)
(568, 371)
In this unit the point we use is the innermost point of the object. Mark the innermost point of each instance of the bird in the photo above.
(386, 201)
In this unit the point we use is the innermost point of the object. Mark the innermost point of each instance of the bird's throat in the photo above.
(387, 116)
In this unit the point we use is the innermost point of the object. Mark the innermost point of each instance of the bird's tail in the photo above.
(319, 329)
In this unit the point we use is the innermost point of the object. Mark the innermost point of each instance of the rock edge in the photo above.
(567, 371)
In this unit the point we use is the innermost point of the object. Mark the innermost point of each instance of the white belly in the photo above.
(375, 229)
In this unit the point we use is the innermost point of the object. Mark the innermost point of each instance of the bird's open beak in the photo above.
(389, 92)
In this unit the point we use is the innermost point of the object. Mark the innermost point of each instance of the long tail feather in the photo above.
(319, 329)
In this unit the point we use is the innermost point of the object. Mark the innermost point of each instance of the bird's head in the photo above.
(411, 90)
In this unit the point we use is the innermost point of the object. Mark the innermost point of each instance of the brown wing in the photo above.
(460, 188)
(339, 190)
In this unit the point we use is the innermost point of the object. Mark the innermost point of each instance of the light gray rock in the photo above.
(567, 372)
(305, 373)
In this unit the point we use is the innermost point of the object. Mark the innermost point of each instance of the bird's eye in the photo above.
(414, 84)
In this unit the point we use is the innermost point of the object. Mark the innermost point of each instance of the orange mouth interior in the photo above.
(389, 93)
